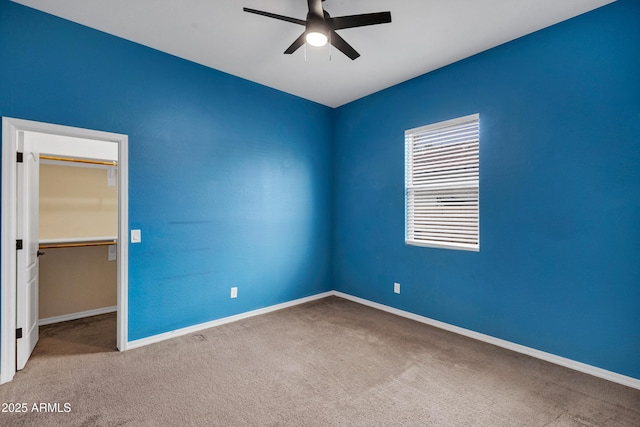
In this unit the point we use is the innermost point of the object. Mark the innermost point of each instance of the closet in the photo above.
(78, 226)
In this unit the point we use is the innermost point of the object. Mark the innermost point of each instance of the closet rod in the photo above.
(67, 159)
(77, 245)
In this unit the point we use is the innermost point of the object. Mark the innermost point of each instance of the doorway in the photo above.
(75, 141)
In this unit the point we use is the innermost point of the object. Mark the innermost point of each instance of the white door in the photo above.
(27, 258)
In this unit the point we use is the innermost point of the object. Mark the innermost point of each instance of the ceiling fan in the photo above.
(320, 27)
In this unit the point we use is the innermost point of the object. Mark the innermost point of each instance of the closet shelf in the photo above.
(75, 242)
(77, 160)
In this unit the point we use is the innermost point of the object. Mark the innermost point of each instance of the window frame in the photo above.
(462, 182)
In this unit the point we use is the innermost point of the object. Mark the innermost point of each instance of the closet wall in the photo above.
(77, 202)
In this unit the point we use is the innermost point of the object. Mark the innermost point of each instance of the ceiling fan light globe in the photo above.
(315, 38)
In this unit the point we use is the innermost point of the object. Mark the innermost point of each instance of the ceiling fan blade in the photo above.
(296, 44)
(343, 46)
(275, 16)
(352, 21)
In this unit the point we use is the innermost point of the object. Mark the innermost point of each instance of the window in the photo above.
(441, 184)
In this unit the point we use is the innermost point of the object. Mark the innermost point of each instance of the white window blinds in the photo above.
(441, 181)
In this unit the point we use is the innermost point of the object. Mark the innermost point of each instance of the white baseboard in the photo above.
(558, 360)
(78, 315)
(195, 328)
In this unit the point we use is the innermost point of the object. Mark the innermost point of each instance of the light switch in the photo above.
(136, 236)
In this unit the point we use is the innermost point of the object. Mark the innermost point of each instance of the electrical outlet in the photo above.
(234, 292)
(396, 288)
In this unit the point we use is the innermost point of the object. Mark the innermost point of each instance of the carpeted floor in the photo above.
(330, 362)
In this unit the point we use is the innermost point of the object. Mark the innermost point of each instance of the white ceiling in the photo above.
(424, 35)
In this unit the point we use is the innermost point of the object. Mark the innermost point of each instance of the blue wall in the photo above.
(559, 262)
(229, 181)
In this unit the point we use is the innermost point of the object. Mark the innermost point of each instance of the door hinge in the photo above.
(19, 244)
(18, 333)
(19, 157)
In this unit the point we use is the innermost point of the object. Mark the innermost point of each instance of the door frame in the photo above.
(10, 129)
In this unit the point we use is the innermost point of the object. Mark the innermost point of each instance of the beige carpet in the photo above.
(326, 363)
